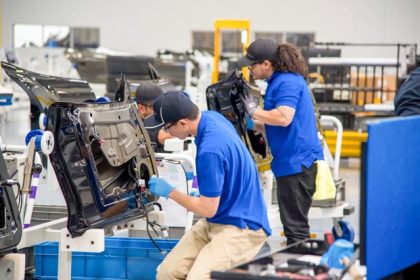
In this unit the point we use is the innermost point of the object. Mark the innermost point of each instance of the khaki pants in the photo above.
(208, 247)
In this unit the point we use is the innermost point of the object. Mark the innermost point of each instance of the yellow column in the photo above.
(219, 24)
(216, 57)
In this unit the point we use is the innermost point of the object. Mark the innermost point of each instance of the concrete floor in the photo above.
(15, 124)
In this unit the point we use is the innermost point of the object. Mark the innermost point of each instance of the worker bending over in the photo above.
(407, 100)
(235, 224)
(146, 93)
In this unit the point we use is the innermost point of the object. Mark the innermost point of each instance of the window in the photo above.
(36, 35)
(300, 39)
(204, 41)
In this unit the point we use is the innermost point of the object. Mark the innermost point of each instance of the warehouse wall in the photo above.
(144, 26)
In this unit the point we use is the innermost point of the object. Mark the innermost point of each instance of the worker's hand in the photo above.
(160, 187)
(249, 122)
(249, 104)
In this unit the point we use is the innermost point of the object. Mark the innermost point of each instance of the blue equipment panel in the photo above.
(392, 196)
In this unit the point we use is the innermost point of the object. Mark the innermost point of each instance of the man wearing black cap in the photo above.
(235, 223)
(146, 93)
(288, 118)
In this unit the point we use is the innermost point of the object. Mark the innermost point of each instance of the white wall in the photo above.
(144, 26)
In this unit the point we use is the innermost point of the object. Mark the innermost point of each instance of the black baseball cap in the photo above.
(258, 51)
(146, 93)
(172, 106)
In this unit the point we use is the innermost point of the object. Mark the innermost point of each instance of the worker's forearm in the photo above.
(272, 117)
(191, 203)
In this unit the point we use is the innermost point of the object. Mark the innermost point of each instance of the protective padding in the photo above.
(392, 196)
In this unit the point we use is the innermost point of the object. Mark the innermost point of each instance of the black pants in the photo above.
(294, 195)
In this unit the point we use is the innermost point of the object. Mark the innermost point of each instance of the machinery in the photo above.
(101, 155)
(10, 224)
(43, 90)
(19, 170)
(224, 97)
(10, 221)
(357, 89)
(190, 71)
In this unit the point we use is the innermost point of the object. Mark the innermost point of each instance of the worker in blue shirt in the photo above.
(146, 93)
(288, 118)
(235, 224)
(407, 100)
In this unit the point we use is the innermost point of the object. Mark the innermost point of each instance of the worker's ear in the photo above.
(267, 63)
(183, 122)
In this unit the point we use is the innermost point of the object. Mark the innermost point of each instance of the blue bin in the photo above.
(123, 258)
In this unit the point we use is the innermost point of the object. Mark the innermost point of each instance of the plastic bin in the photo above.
(123, 258)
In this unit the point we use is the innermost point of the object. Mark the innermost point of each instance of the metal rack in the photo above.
(350, 87)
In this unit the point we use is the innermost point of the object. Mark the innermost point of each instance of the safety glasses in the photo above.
(166, 128)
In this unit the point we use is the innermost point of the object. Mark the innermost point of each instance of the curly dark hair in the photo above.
(289, 59)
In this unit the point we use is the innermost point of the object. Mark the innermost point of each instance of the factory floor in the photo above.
(14, 123)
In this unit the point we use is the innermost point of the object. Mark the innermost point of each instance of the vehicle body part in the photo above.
(43, 90)
(103, 159)
(101, 155)
(224, 97)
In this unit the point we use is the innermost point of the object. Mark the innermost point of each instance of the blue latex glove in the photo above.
(340, 249)
(249, 122)
(160, 187)
(194, 192)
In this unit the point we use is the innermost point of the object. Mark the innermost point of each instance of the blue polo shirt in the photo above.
(407, 100)
(298, 143)
(225, 168)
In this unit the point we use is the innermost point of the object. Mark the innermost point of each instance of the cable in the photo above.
(158, 205)
(18, 188)
(148, 223)
(20, 205)
(183, 168)
(147, 226)
(153, 227)
(18, 197)
(150, 236)
(164, 230)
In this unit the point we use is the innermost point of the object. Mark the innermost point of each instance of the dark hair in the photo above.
(289, 59)
(193, 114)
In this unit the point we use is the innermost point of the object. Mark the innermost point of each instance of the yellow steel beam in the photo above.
(351, 142)
(232, 24)
(219, 24)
